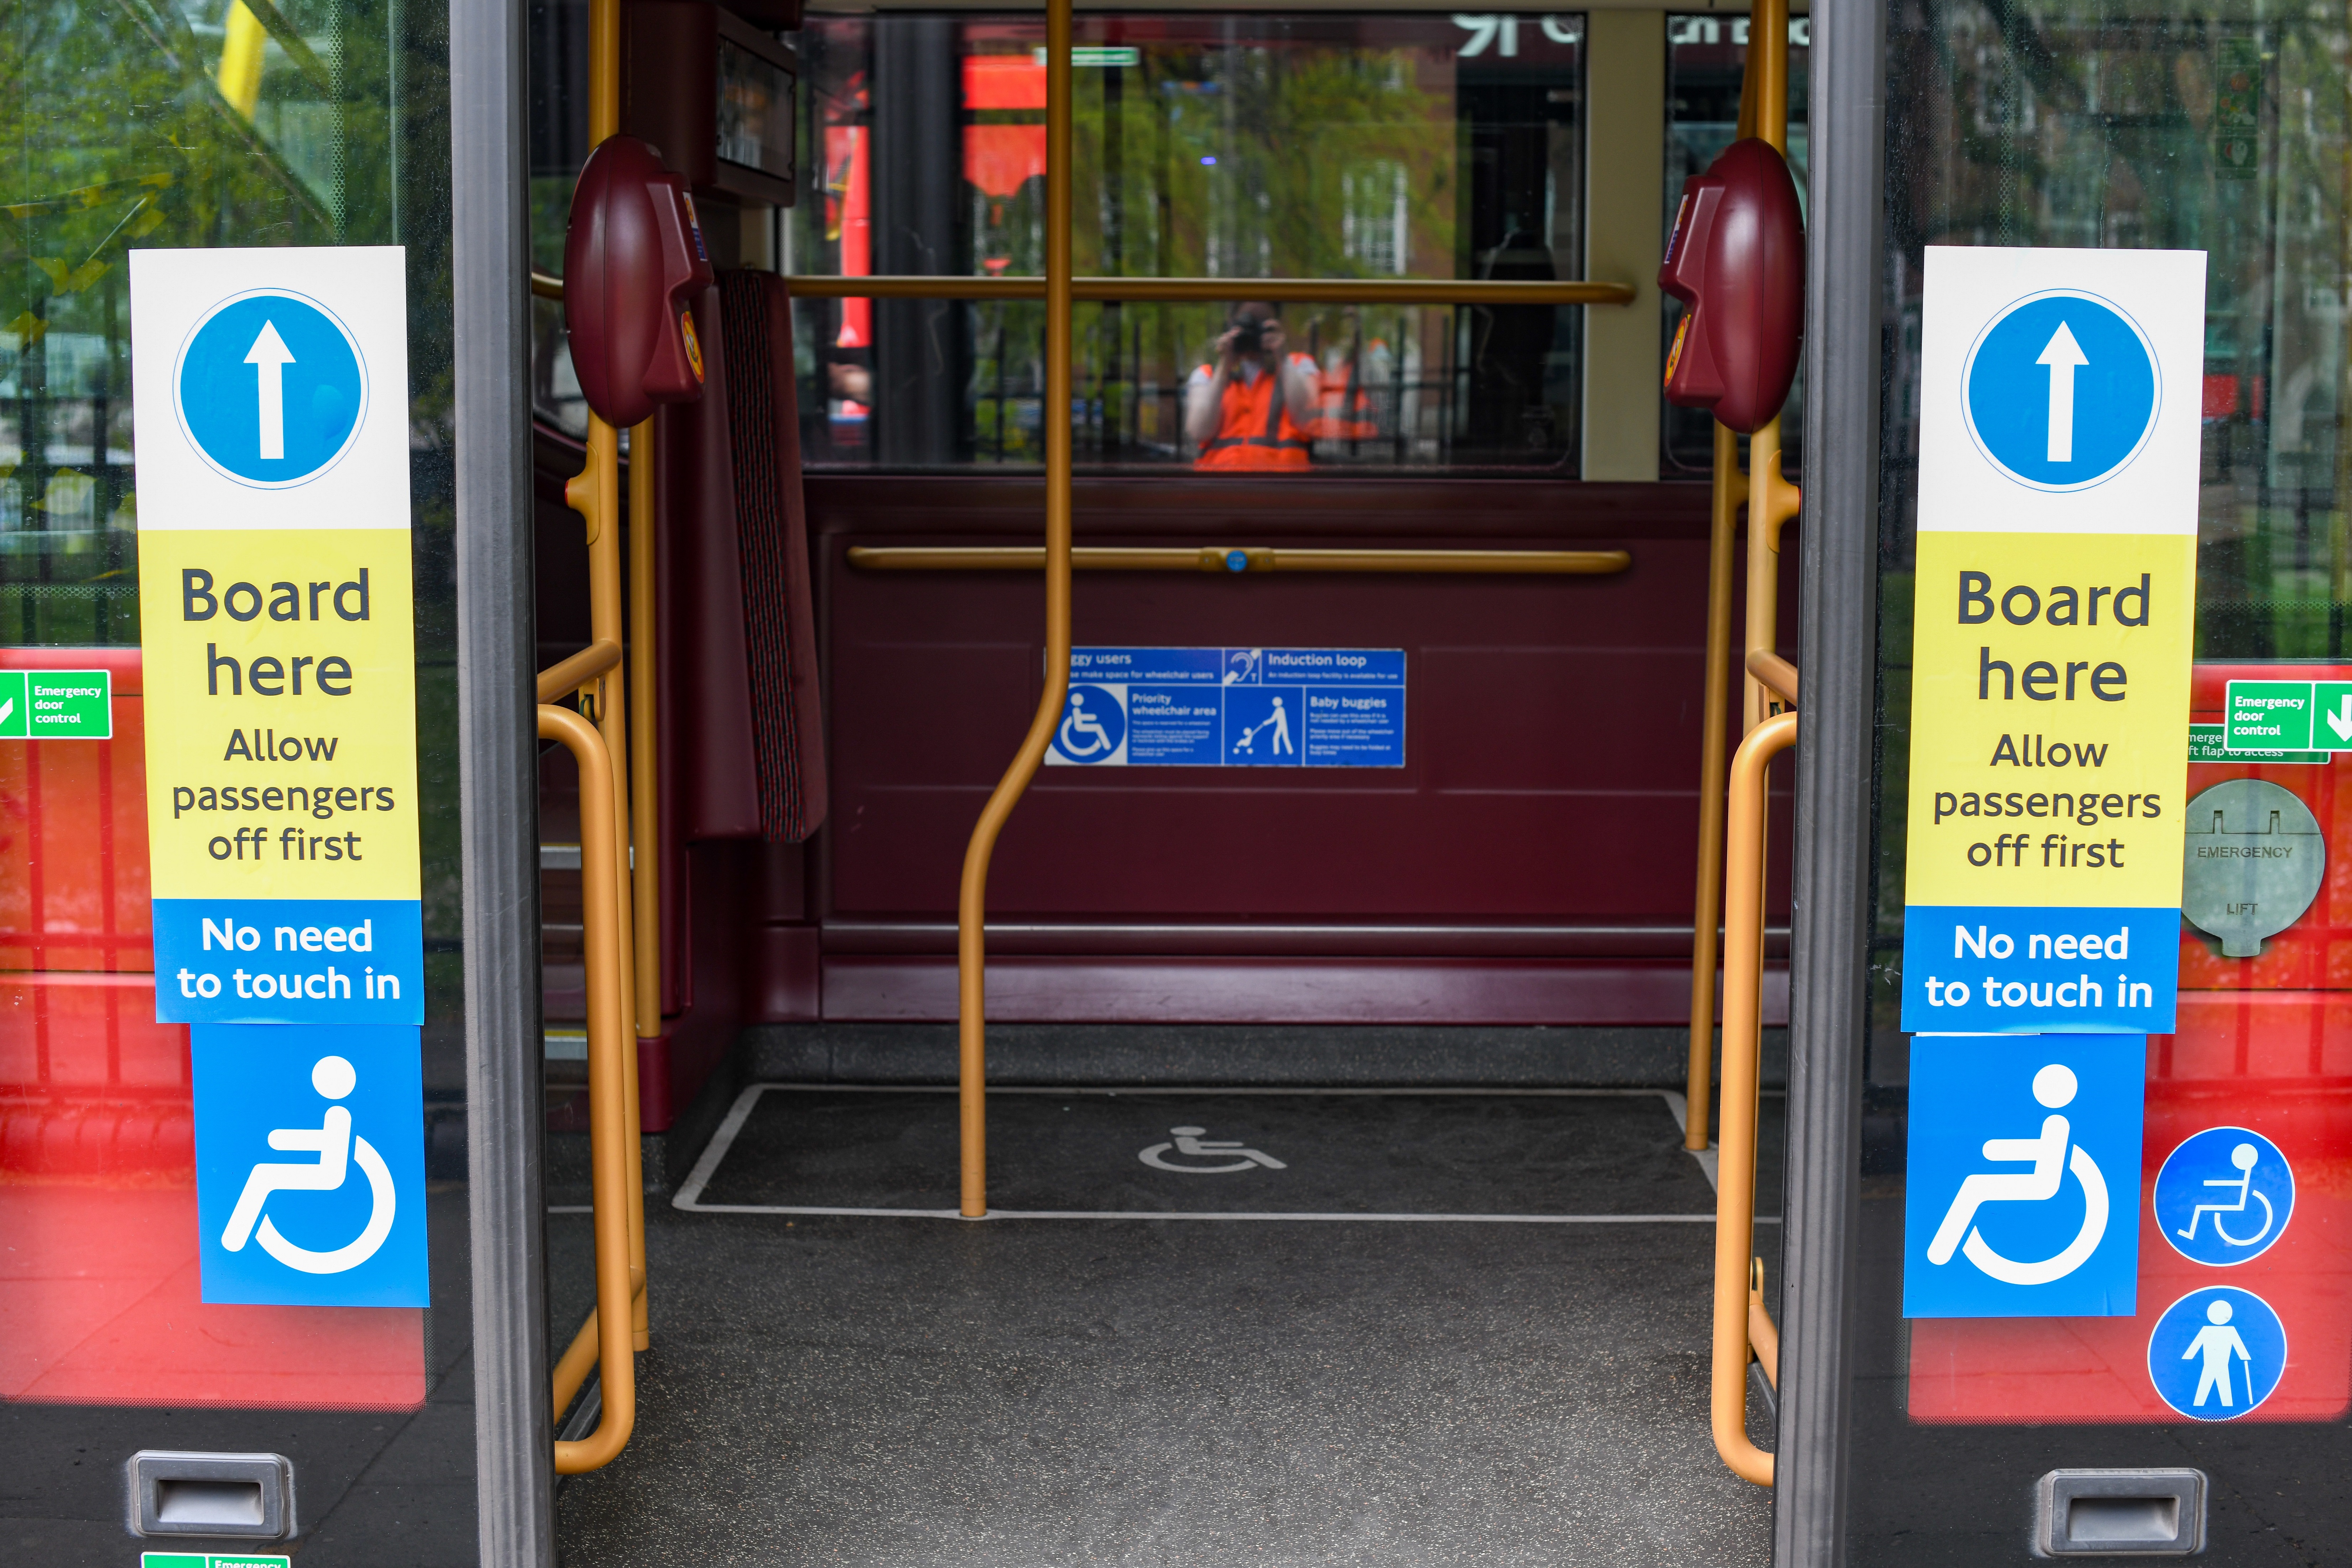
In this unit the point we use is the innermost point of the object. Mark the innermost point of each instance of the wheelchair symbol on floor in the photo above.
(2224, 1196)
(1192, 1141)
(338, 1150)
(2053, 1087)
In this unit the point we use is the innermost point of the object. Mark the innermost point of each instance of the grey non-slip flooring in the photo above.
(918, 1392)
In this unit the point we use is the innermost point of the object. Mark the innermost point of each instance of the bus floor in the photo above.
(1525, 1381)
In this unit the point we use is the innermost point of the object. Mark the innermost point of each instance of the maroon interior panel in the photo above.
(1551, 722)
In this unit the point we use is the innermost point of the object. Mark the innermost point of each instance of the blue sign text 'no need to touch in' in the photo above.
(1233, 708)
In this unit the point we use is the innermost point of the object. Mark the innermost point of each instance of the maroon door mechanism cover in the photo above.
(1737, 261)
(632, 258)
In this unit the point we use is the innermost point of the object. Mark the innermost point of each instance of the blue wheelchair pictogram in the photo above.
(2217, 1353)
(2023, 1152)
(2061, 390)
(311, 1164)
(2224, 1196)
(271, 389)
(1092, 726)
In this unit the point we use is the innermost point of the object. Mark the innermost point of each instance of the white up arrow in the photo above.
(2340, 723)
(270, 357)
(2062, 354)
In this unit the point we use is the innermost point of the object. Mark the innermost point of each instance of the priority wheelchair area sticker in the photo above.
(2023, 1180)
(1233, 708)
(311, 1164)
(2224, 1196)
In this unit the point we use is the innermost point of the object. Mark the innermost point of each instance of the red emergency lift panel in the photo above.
(633, 260)
(1736, 260)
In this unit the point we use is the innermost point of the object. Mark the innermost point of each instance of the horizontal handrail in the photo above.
(1238, 560)
(619, 1283)
(1195, 290)
(1735, 1193)
(1779, 676)
(1217, 290)
(571, 673)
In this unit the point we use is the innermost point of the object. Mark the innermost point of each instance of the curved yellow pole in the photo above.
(1743, 1000)
(608, 1129)
(971, 902)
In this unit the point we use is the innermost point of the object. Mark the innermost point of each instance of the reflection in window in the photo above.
(204, 123)
(2229, 136)
(1248, 147)
(1705, 59)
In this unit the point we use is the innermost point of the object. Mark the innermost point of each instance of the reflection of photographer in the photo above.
(1239, 410)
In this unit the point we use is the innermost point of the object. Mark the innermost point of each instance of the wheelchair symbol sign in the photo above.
(2018, 1147)
(1094, 725)
(2224, 1196)
(310, 1164)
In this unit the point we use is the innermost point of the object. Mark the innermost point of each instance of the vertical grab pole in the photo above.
(1743, 997)
(596, 494)
(640, 902)
(1730, 493)
(1772, 499)
(971, 903)
(1730, 490)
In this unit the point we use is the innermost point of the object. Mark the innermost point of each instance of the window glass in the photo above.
(1207, 146)
(183, 124)
(1706, 58)
(2225, 132)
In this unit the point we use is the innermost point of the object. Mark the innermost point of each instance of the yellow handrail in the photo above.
(619, 1276)
(972, 901)
(1201, 290)
(1772, 502)
(578, 671)
(1775, 673)
(1238, 560)
(644, 835)
(1219, 291)
(1743, 1000)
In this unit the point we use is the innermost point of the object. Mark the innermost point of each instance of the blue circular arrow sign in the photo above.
(270, 389)
(2061, 390)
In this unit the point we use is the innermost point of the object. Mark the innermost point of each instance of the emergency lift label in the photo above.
(1233, 708)
(2054, 601)
(278, 634)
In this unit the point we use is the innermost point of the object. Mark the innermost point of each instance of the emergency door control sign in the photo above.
(2053, 619)
(278, 634)
(1233, 708)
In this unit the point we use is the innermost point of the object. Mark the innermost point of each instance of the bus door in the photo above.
(2082, 1038)
(257, 1179)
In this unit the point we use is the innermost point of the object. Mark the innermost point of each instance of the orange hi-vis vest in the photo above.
(1254, 430)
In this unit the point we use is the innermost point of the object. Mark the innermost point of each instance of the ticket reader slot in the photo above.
(1736, 260)
(2119, 1513)
(634, 259)
(250, 1496)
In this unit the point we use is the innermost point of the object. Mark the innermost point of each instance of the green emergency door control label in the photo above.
(2206, 743)
(2288, 715)
(209, 1560)
(57, 704)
